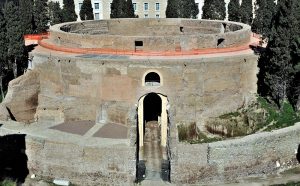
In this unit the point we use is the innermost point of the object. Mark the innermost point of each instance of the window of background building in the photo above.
(197, 4)
(80, 4)
(97, 17)
(157, 6)
(146, 16)
(96, 6)
(134, 6)
(146, 6)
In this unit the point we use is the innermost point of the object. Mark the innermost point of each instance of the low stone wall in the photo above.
(82, 164)
(156, 34)
(234, 159)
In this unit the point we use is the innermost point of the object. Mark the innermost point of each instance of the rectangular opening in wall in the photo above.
(181, 29)
(138, 45)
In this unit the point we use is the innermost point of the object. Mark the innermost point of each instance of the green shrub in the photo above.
(8, 182)
(284, 117)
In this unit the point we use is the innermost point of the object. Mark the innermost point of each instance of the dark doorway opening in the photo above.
(152, 107)
(152, 79)
(153, 162)
(13, 160)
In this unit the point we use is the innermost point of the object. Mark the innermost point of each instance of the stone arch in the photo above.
(153, 72)
(163, 119)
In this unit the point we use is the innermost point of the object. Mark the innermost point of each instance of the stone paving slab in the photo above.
(75, 127)
(112, 130)
(41, 130)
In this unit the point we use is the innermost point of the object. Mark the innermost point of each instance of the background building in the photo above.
(144, 9)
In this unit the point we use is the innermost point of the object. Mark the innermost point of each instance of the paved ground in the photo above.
(75, 127)
(152, 151)
(88, 128)
(112, 130)
(61, 132)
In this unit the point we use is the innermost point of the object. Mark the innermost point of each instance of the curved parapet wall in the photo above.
(231, 160)
(150, 34)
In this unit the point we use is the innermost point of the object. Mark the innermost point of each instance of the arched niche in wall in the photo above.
(152, 78)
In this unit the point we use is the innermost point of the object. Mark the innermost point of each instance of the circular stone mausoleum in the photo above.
(153, 35)
(105, 97)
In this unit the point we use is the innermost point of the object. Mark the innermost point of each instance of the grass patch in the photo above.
(8, 182)
(284, 117)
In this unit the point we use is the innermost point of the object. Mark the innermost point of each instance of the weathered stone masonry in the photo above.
(107, 89)
(230, 160)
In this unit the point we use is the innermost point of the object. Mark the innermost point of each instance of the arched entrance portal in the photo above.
(152, 137)
(152, 107)
(155, 107)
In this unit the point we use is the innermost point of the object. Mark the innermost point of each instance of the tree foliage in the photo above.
(234, 9)
(172, 9)
(3, 51)
(86, 11)
(279, 64)
(40, 14)
(118, 9)
(214, 9)
(3, 41)
(182, 9)
(246, 12)
(68, 11)
(188, 9)
(130, 9)
(14, 36)
(264, 11)
(55, 13)
(122, 9)
(26, 15)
